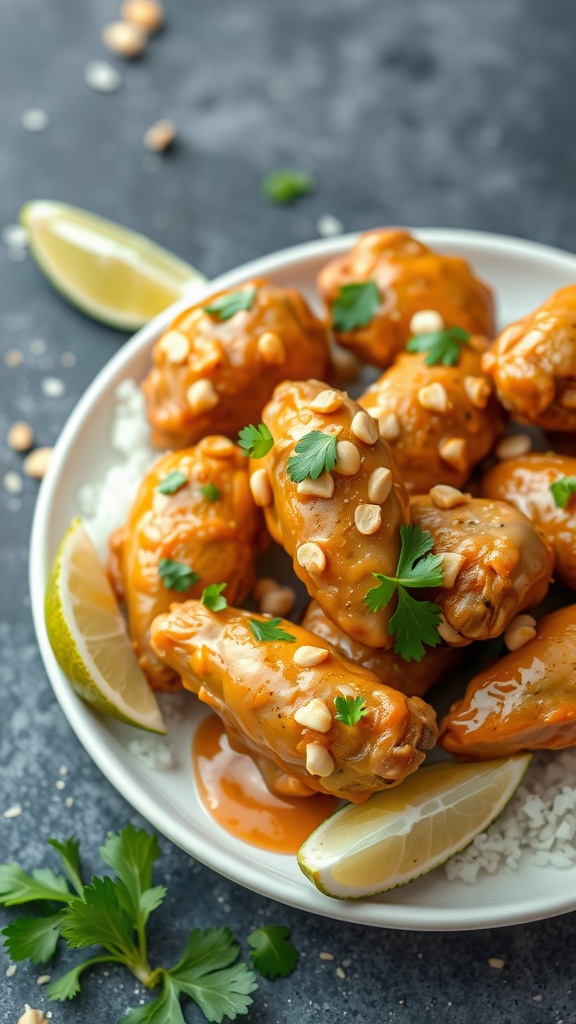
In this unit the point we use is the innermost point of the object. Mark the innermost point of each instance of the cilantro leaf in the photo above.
(256, 441)
(205, 974)
(350, 709)
(212, 597)
(413, 622)
(233, 302)
(285, 184)
(17, 887)
(100, 919)
(68, 985)
(69, 850)
(177, 575)
(443, 346)
(355, 305)
(165, 1009)
(172, 482)
(315, 454)
(131, 853)
(210, 492)
(33, 938)
(271, 952)
(562, 491)
(267, 629)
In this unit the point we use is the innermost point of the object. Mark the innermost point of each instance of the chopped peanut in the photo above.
(319, 761)
(311, 557)
(261, 488)
(314, 715)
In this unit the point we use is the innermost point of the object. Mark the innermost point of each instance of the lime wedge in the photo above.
(403, 833)
(114, 275)
(89, 637)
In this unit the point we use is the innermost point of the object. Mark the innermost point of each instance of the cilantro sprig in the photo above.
(172, 482)
(315, 453)
(350, 710)
(562, 491)
(111, 913)
(443, 346)
(285, 184)
(355, 305)
(414, 623)
(210, 491)
(256, 442)
(212, 597)
(232, 302)
(177, 575)
(267, 629)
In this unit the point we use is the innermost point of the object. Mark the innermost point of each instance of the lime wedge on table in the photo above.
(405, 832)
(89, 638)
(109, 272)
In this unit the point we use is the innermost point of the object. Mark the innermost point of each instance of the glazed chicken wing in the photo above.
(526, 483)
(276, 699)
(496, 563)
(409, 278)
(213, 371)
(413, 678)
(525, 701)
(208, 526)
(440, 421)
(533, 364)
(343, 526)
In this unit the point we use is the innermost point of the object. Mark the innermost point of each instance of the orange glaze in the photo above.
(234, 793)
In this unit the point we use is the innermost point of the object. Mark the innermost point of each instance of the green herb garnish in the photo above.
(112, 913)
(350, 709)
(271, 952)
(233, 302)
(285, 184)
(315, 454)
(355, 306)
(255, 441)
(177, 575)
(268, 630)
(414, 623)
(212, 597)
(210, 492)
(562, 491)
(440, 346)
(173, 482)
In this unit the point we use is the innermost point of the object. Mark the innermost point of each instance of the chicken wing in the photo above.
(533, 364)
(440, 421)
(525, 701)
(496, 564)
(343, 526)
(277, 700)
(207, 530)
(409, 278)
(526, 483)
(213, 371)
(413, 678)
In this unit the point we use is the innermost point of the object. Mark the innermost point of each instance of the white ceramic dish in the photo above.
(523, 274)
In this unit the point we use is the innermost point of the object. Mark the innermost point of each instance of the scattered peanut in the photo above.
(347, 458)
(202, 396)
(520, 631)
(322, 487)
(364, 427)
(124, 39)
(36, 463)
(453, 451)
(219, 447)
(389, 426)
(20, 437)
(314, 715)
(513, 446)
(319, 761)
(311, 557)
(568, 399)
(426, 321)
(263, 586)
(148, 14)
(379, 485)
(160, 135)
(445, 496)
(278, 602)
(31, 1016)
(261, 488)
(346, 365)
(368, 519)
(326, 401)
(451, 635)
(271, 348)
(308, 657)
(478, 391)
(175, 346)
(434, 397)
(452, 562)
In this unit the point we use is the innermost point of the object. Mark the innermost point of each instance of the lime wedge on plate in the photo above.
(114, 275)
(404, 832)
(89, 637)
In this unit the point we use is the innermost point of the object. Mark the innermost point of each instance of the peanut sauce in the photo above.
(235, 795)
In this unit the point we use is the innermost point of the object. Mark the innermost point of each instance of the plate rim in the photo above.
(81, 717)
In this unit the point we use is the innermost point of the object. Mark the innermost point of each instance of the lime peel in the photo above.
(403, 833)
(89, 638)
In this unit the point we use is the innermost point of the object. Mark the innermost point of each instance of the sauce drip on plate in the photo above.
(234, 793)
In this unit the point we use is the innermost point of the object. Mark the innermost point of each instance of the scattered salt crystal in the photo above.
(15, 236)
(63, 769)
(13, 812)
(102, 76)
(153, 751)
(12, 482)
(11, 970)
(69, 801)
(60, 784)
(38, 347)
(53, 387)
(34, 120)
(328, 226)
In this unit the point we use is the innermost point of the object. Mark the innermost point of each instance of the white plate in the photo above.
(523, 274)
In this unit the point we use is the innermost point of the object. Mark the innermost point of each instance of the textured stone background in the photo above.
(430, 112)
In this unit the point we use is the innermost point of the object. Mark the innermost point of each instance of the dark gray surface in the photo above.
(431, 112)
